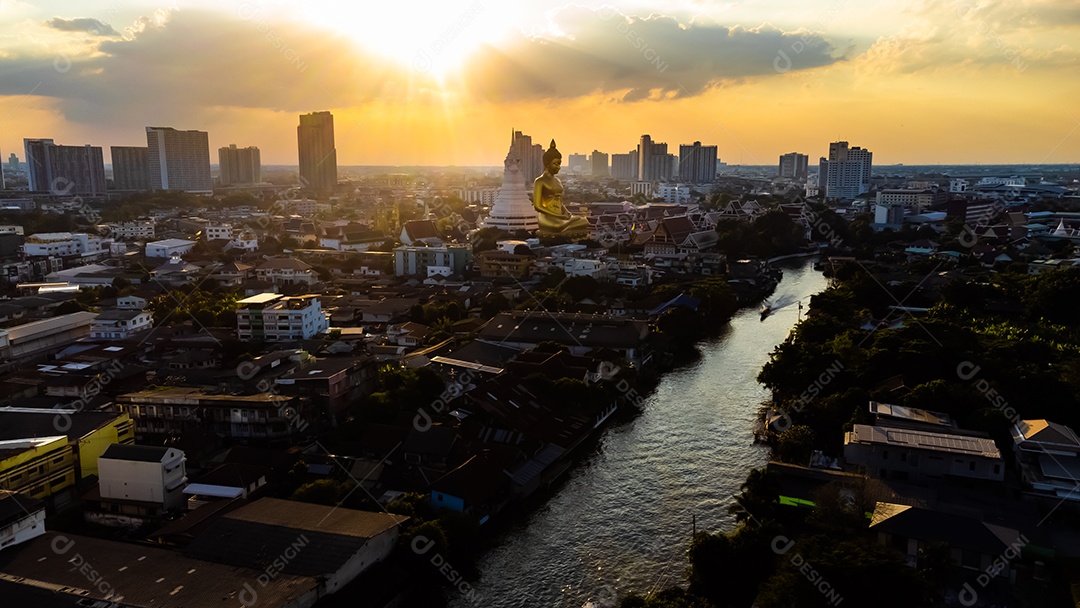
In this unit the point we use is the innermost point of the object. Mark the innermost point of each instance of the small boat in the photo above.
(766, 310)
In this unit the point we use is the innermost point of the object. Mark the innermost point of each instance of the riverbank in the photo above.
(621, 520)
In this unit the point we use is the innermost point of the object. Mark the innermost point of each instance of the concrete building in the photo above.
(39, 466)
(120, 324)
(130, 167)
(794, 166)
(22, 518)
(675, 194)
(901, 453)
(501, 264)
(653, 162)
(317, 152)
(846, 173)
(239, 165)
(65, 244)
(137, 229)
(598, 164)
(577, 163)
(142, 473)
(512, 210)
(889, 214)
(273, 317)
(697, 163)
(424, 261)
(263, 418)
(625, 166)
(64, 170)
(578, 332)
(916, 200)
(168, 248)
(179, 160)
(530, 155)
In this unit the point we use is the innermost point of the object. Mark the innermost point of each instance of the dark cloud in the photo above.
(82, 24)
(198, 60)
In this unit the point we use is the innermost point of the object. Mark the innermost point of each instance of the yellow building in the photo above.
(39, 467)
(93, 444)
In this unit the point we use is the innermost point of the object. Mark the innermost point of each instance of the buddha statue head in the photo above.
(552, 159)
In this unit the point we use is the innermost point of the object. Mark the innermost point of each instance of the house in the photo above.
(390, 310)
(408, 334)
(120, 324)
(233, 274)
(131, 303)
(434, 448)
(21, 518)
(286, 271)
(1048, 455)
(899, 453)
(974, 546)
(136, 484)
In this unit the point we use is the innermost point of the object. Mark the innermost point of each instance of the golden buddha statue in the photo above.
(547, 198)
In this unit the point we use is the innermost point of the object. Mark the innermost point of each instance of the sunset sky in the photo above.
(443, 82)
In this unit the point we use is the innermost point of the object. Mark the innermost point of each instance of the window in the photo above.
(997, 469)
(885, 455)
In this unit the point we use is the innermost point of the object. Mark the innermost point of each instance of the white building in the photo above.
(138, 229)
(218, 232)
(145, 474)
(846, 173)
(21, 518)
(131, 303)
(120, 324)
(273, 317)
(675, 194)
(287, 271)
(65, 244)
(168, 248)
(512, 209)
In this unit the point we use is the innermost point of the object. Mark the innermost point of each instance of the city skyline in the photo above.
(929, 84)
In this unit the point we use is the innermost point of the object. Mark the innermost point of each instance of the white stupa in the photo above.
(512, 209)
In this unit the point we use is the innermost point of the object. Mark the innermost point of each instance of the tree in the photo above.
(795, 445)
(322, 492)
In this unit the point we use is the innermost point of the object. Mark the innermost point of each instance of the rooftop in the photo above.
(924, 440)
(144, 576)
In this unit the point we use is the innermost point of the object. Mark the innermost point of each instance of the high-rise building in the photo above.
(599, 163)
(794, 166)
(240, 165)
(653, 162)
(531, 155)
(318, 155)
(130, 168)
(846, 173)
(577, 163)
(625, 166)
(178, 160)
(13, 162)
(64, 170)
(697, 163)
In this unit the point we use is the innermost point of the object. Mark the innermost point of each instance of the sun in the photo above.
(432, 37)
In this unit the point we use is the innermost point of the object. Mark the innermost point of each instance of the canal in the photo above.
(621, 522)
